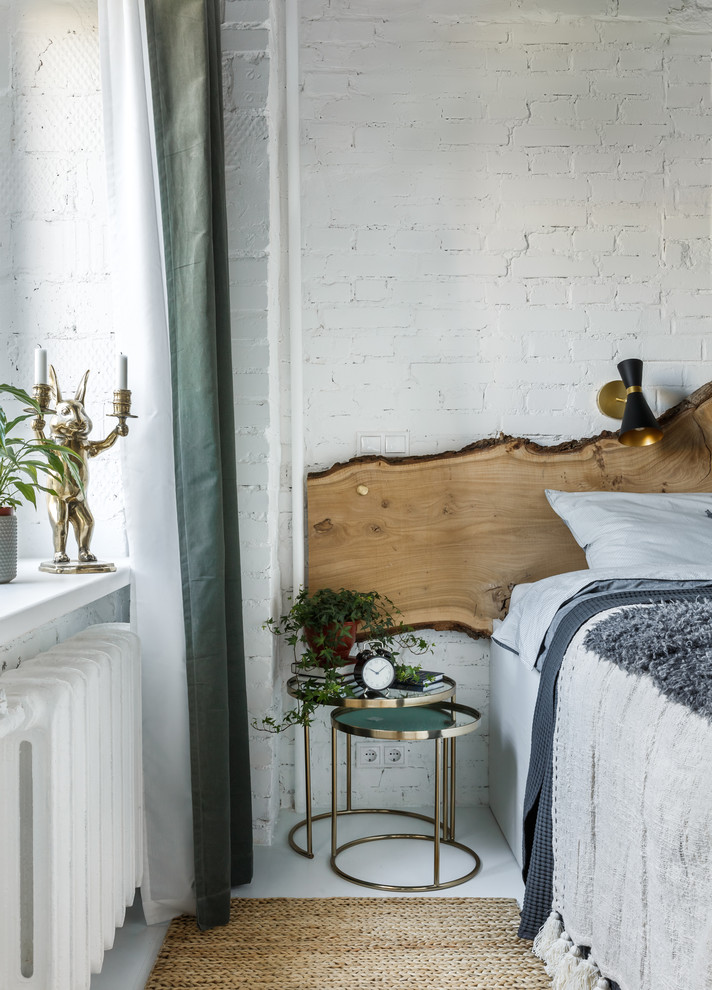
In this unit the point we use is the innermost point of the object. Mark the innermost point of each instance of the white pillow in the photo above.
(626, 529)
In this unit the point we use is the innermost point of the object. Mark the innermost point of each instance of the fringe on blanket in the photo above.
(564, 961)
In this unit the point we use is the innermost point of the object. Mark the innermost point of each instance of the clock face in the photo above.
(375, 672)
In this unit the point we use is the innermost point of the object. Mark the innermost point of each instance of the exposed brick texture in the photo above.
(497, 208)
(55, 286)
(253, 105)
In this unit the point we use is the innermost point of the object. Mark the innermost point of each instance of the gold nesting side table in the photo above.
(439, 723)
(406, 716)
(396, 698)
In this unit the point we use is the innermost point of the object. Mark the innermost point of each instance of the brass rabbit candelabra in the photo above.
(67, 502)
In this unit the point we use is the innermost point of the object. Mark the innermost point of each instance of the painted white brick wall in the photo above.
(55, 283)
(55, 280)
(252, 67)
(497, 207)
(53, 286)
(54, 277)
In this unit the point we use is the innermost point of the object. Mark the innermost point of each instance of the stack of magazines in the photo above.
(424, 680)
(349, 686)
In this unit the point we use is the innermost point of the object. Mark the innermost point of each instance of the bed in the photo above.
(623, 720)
(452, 539)
(513, 694)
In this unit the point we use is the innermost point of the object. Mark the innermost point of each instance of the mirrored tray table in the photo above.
(439, 723)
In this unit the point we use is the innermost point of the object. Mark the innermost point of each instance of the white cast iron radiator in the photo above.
(70, 807)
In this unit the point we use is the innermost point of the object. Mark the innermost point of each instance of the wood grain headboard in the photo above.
(447, 536)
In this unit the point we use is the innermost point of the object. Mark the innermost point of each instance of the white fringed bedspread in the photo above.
(632, 826)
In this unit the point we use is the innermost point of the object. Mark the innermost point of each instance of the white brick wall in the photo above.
(252, 88)
(54, 277)
(496, 209)
(55, 282)
(541, 190)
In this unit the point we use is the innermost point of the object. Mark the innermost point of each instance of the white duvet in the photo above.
(632, 826)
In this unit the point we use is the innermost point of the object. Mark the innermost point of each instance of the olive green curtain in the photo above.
(184, 55)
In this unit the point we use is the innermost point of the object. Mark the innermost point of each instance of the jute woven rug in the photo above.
(353, 943)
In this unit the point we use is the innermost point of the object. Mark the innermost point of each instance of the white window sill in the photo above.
(34, 598)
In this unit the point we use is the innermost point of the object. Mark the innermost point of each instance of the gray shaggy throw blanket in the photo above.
(672, 643)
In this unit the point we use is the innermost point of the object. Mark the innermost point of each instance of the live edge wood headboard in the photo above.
(447, 536)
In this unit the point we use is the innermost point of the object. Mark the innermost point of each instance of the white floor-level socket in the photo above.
(280, 872)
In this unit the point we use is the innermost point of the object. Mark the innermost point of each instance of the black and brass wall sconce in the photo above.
(624, 400)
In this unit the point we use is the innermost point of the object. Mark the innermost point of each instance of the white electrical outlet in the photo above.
(393, 754)
(369, 754)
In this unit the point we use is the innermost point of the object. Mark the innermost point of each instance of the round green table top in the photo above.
(419, 722)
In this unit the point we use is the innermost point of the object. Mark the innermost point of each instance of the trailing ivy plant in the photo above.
(321, 627)
(26, 463)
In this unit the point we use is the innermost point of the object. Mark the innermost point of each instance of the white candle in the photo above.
(122, 370)
(40, 366)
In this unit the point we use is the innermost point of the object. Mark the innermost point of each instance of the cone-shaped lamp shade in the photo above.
(639, 426)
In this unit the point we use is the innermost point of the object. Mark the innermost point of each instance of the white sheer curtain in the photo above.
(141, 331)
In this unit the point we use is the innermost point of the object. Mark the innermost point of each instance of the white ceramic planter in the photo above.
(8, 548)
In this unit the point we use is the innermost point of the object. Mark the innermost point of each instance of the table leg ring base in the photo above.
(442, 885)
(351, 811)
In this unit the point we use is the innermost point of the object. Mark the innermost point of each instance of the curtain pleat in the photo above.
(141, 325)
(184, 56)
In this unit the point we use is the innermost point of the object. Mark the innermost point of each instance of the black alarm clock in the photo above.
(375, 670)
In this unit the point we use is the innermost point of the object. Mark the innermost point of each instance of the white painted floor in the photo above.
(280, 872)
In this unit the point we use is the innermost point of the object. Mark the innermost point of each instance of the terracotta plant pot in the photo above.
(342, 648)
(8, 544)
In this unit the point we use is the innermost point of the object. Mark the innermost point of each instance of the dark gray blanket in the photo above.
(537, 841)
(672, 644)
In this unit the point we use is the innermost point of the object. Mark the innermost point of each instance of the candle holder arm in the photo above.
(122, 412)
(38, 425)
(94, 447)
(41, 395)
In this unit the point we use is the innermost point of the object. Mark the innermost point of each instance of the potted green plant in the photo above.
(322, 627)
(24, 463)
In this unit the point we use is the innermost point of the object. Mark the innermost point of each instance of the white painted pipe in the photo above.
(296, 345)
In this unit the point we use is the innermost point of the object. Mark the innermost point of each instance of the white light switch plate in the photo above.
(392, 443)
(369, 443)
(396, 444)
